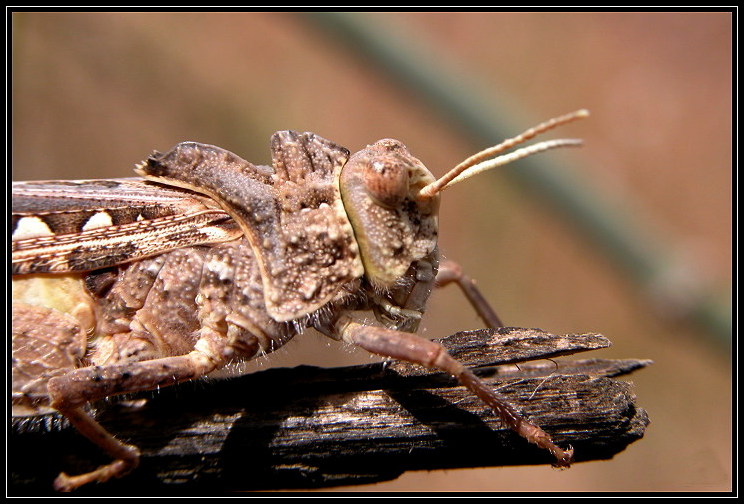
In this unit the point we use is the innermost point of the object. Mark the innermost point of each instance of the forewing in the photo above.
(64, 226)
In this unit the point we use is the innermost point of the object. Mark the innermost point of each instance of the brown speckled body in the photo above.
(128, 285)
(296, 262)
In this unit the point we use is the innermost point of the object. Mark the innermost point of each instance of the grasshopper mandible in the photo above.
(207, 260)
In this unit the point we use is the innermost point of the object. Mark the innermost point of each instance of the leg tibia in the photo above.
(126, 457)
(451, 272)
(413, 348)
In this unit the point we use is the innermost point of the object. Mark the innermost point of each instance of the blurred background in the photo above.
(630, 236)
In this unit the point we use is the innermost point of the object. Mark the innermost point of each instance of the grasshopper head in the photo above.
(392, 199)
(393, 225)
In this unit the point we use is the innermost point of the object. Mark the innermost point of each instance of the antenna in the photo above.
(480, 162)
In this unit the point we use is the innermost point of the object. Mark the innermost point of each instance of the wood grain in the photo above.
(308, 427)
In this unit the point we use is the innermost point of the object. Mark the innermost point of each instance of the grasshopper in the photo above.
(207, 260)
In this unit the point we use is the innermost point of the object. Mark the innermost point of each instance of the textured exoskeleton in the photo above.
(134, 284)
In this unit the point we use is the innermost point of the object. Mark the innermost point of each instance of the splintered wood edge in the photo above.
(515, 344)
(508, 345)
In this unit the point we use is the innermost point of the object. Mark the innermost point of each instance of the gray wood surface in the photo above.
(309, 427)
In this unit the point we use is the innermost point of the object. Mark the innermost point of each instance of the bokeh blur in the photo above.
(94, 93)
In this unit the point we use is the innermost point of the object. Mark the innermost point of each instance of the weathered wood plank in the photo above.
(310, 427)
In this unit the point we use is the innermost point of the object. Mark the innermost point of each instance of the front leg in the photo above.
(449, 272)
(412, 348)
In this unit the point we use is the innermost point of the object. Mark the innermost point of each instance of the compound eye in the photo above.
(386, 181)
